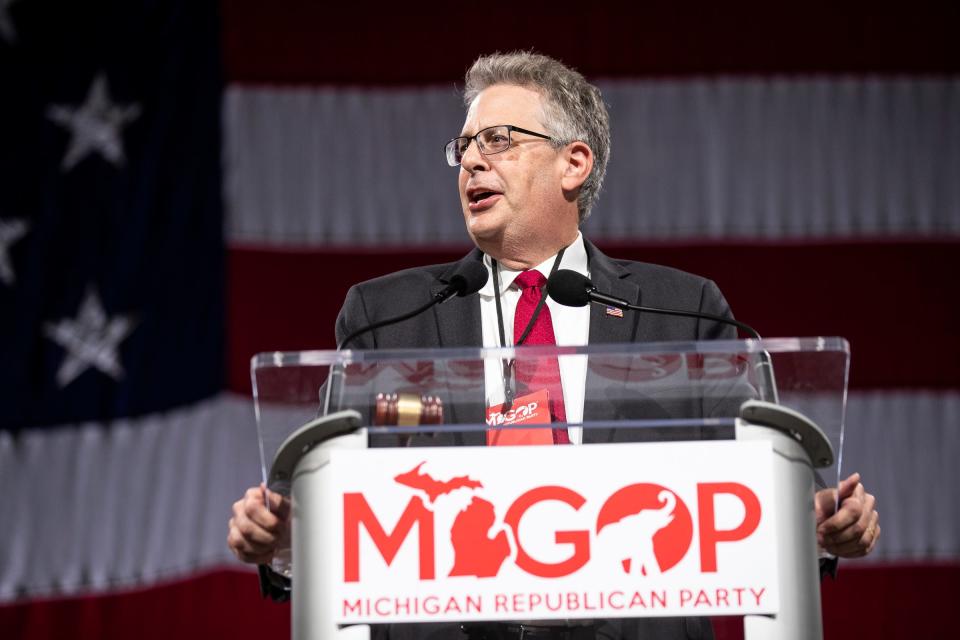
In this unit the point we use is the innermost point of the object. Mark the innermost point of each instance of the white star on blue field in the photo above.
(91, 339)
(96, 126)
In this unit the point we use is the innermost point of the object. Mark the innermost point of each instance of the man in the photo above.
(532, 154)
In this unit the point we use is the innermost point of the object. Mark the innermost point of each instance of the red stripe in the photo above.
(428, 42)
(880, 602)
(224, 604)
(895, 301)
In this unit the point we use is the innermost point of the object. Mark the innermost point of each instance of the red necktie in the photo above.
(539, 373)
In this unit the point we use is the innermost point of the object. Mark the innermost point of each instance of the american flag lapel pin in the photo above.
(615, 312)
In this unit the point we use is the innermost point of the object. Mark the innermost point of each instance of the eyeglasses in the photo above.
(491, 140)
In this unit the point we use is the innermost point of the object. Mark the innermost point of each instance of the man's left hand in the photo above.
(852, 531)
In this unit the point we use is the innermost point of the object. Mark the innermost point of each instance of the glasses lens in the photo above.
(494, 139)
(455, 149)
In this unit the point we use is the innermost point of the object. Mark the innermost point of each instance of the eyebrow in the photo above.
(481, 128)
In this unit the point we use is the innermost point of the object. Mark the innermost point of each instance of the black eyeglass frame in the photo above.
(451, 151)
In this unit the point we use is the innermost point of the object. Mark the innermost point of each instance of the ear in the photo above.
(578, 162)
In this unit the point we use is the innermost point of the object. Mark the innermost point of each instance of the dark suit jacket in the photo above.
(456, 323)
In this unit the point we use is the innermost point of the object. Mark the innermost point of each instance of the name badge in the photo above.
(533, 408)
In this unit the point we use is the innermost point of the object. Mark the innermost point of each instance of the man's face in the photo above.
(513, 198)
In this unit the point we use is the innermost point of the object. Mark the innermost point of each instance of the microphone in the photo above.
(576, 290)
(466, 280)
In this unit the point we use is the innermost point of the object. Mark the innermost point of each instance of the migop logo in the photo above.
(649, 524)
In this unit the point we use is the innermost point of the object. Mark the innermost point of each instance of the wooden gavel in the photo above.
(407, 410)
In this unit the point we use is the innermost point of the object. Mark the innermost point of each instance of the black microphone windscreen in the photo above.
(569, 288)
(470, 278)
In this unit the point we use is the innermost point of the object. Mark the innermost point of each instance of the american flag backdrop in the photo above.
(185, 184)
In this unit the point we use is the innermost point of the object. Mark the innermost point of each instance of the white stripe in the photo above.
(766, 158)
(98, 507)
(340, 166)
(906, 446)
(94, 508)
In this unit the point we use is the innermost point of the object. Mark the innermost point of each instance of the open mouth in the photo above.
(481, 195)
(481, 199)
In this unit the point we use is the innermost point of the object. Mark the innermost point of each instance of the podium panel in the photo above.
(613, 530)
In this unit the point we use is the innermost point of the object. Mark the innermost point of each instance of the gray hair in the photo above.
(573, 108)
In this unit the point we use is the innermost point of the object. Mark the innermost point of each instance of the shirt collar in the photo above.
(575, 258)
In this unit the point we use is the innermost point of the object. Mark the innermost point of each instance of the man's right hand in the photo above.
(255, 531)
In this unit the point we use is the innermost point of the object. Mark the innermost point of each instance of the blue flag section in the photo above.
(111, 220)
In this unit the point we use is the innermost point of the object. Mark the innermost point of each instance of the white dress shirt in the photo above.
(571, 326)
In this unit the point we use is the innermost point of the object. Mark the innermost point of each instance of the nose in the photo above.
(472, 159)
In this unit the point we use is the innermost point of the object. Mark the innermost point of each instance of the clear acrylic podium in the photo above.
(324, 413)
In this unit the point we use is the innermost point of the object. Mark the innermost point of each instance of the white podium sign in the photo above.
(555, 532)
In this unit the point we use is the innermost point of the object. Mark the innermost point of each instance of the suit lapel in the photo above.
(459, 325)
(458, 319)
(608, 277)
